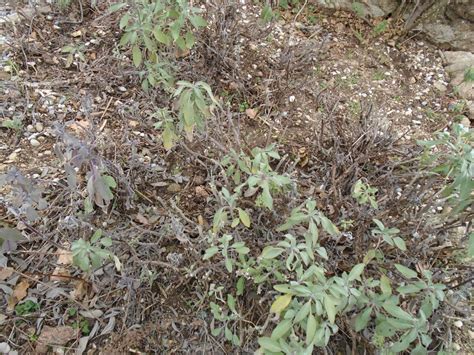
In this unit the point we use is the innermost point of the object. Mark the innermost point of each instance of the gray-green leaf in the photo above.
(356, 272)
(362, 319)
(408, 273)
(270, 252)
(269, 344)
(281, 329)
(210, 252)
(400, 243)
(137, 56)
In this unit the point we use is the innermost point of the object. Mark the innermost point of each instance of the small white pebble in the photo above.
(292, 98)
(39, 127)
(35, 142)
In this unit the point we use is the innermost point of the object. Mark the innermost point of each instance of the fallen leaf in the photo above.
(141, 218)
(8, 238)
(77, 33)
(5, 289)
(93, 313)
(251, 113)
(55, 292)
(201, 192)
(82, 346)
(109, 327)
(117, 263)
(200, 220)
(173, 188)
(60, 274)
(80, 290)
(303, 156)
(133, 123)
(5, 273)
(79, 127)
(55, 336)
(65, 257)
(181, 54)
(10, 234)
(20, 292)
(304, 161)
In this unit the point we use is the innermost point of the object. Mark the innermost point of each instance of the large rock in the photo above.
(372, 8)
(462, 10)
(457, 64)
(448, 24)
(470, 109)
(455, 35)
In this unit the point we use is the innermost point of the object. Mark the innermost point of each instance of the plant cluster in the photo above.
(310, 302)
(155, 30)
(290, 255)
(451, 155)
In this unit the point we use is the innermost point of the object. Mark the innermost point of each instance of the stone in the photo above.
(463, 10)
(372, 8)
(439, 33)
(4, 348)
(465, 90)
(12, 157)
(34, 142)
(470, 109)
(445, 24)
(457, 63)
(458, 56)
(30, 128)
(465, 121)
(440, 86)
(39, 127)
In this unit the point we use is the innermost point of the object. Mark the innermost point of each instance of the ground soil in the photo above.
(283, 82)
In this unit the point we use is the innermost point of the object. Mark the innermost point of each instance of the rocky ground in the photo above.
(283, 82)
